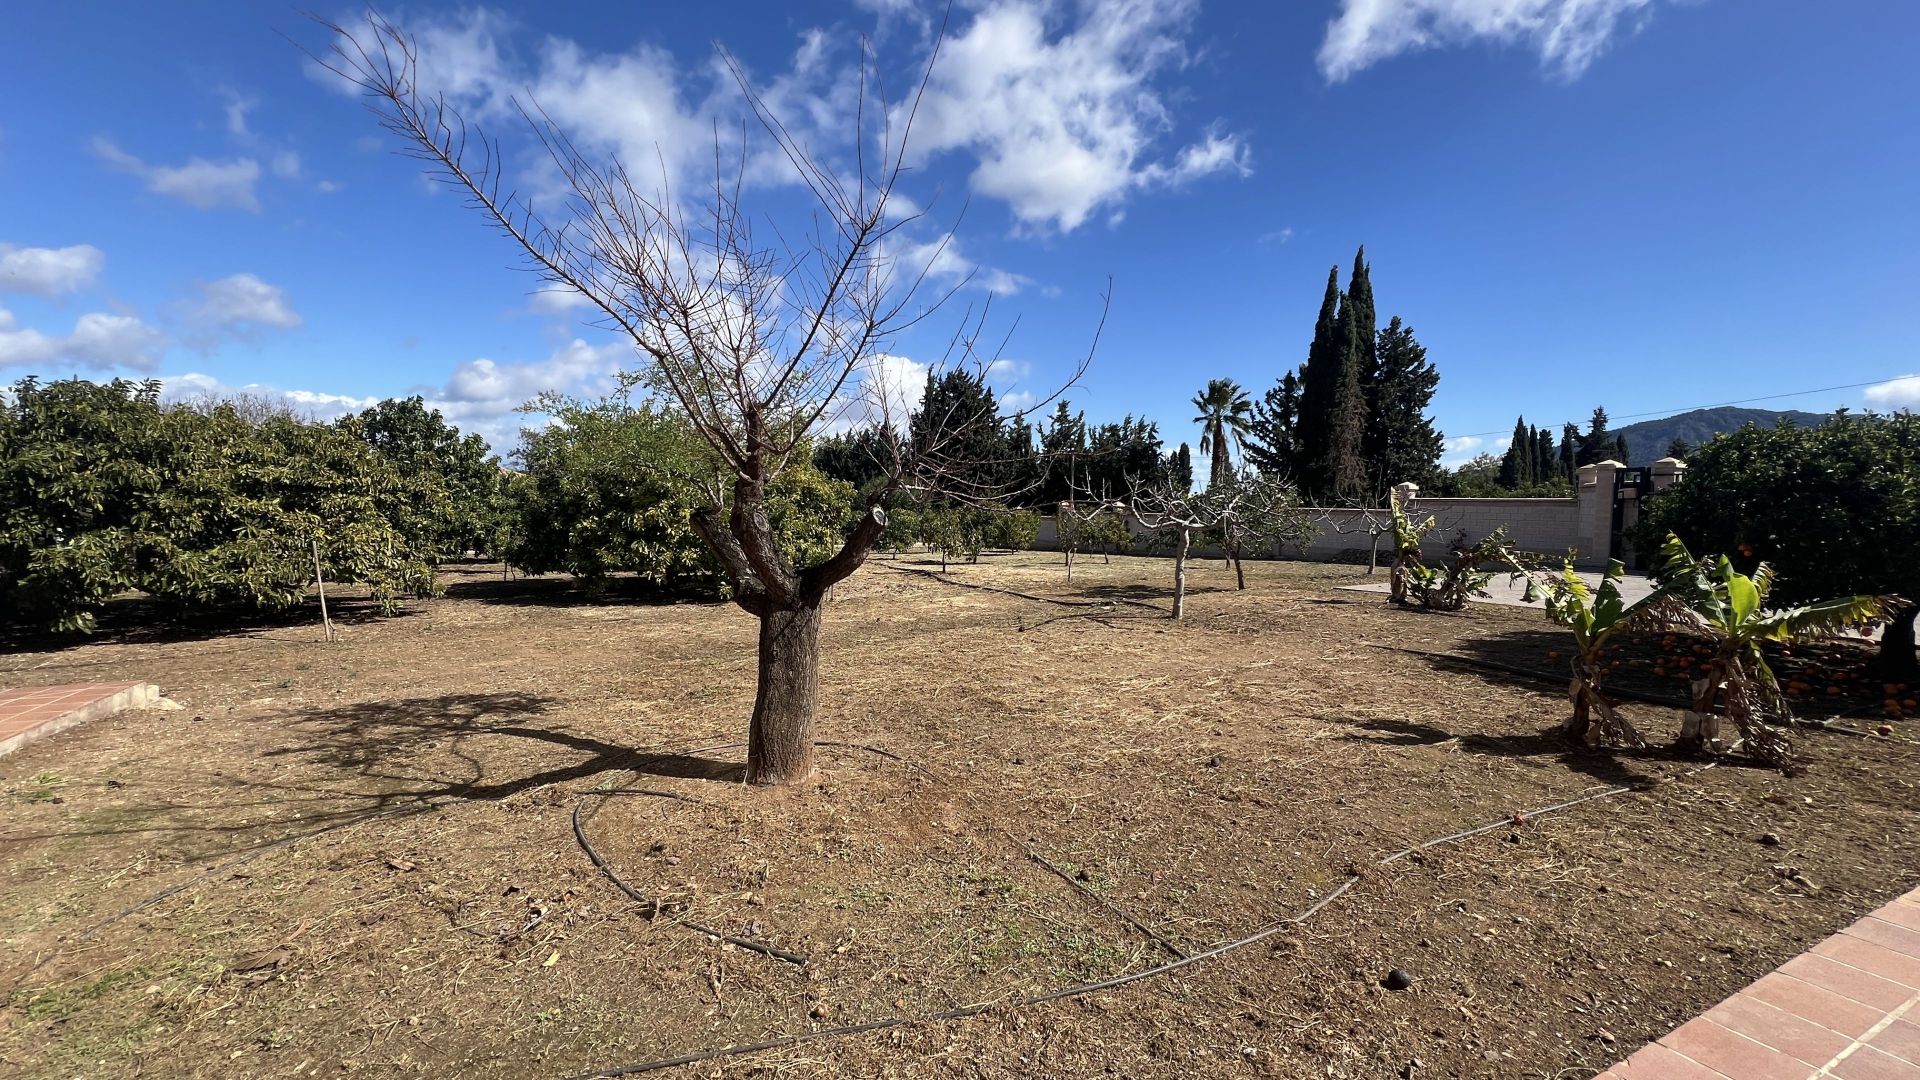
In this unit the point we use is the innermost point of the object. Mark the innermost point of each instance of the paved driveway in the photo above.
(1513, 593)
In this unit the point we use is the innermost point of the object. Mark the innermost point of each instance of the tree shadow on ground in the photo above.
(402, 757)
(489, 587)
(1143, 592)
(1544, 745)
(143, 620)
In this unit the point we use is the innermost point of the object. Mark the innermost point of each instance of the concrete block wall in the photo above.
(1582, 523)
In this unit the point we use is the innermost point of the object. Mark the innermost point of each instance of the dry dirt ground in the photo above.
(433, 914)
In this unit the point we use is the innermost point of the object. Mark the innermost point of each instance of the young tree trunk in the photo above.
(1897, 661)
(1069, 564)
(780, 738)
(1700, 729)
(1180, 572)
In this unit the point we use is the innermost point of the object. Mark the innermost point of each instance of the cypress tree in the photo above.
(1516, 467)
(1620, 449)
(1544, 466)
(1403, 445)
(1358, 339)
(1569, 452)
(1319, 386)
(1597, 443)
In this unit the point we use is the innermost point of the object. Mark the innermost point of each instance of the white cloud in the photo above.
(327, 187)
(98, 340)
(242, 305)
(49, 271)
(1061, 114)
(237, 108)
(1063, 120)
(206, 185)
(888, 390)
(945, 265)
(313, 403)
(1464, 448)
(1278, 236)
(286, 164)
(1902, 392)
(558, 300)
(1569, 35)
(481, 396)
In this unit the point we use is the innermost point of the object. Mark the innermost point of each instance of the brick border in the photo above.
(34, 713)
(1847, 1009)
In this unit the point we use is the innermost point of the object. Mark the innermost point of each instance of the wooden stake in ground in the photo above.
(321, 584)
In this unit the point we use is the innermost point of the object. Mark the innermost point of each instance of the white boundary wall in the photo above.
(1582, 523)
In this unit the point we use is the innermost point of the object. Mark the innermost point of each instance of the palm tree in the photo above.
(1225, 411)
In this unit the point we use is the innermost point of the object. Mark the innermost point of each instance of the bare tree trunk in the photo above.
(1180, 572)
(1239, 567)
(780, 740)
(1069, 564)
(1897, 662)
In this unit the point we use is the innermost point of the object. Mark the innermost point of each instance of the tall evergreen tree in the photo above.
(1620, 449)
(1319, 386)
(1273, 433)
(1516, 467)
(1063, 446)
(956, 432)
(1180, 470)
(1569, 452)
(1402, 444)
(1679, 448)
(1597, 443)
(1544, 465)
(1358, 339)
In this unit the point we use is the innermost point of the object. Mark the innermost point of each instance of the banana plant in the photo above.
(1730, 608)
(1595, 615)
(1408, 532)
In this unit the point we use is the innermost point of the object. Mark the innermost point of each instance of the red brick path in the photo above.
(29, 714)
(1849, 1009)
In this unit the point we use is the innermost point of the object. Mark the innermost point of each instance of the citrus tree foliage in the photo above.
(104, 490)
(611, 487)
(1835, 509)
(417, 440)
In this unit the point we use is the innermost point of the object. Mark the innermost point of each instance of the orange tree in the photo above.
(1835, 509)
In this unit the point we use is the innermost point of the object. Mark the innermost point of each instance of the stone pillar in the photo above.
(1594, 490)
(1667, 472)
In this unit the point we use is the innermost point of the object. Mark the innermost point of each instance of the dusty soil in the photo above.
(435, 916)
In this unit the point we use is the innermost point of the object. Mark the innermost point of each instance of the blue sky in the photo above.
(1646, 204)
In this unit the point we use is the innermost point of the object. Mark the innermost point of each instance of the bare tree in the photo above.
(1246, 508)
(760, 344)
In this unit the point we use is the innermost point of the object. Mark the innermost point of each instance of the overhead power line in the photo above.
(1717, 404)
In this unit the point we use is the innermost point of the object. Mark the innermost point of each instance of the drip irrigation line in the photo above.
(230, 864)
(1081, 887)
(1082, 989)
(606, 868)
(944, 579)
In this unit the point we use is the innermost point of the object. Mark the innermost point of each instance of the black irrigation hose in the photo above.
(1082, 989)
(944, 579)
(238, 861)
(586, 845)
(1079, 886)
